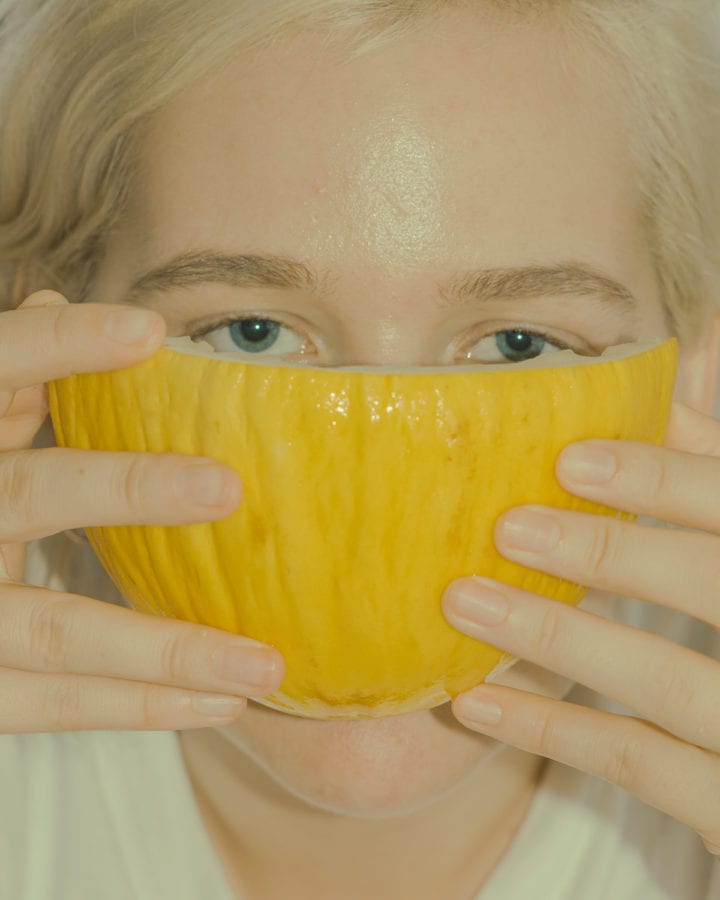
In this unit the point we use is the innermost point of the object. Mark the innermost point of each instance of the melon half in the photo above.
(365, 493)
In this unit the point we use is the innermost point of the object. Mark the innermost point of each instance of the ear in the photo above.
(699, 370)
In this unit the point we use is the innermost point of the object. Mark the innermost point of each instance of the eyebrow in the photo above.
(196, 268)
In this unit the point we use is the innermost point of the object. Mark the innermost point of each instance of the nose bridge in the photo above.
(388, 323)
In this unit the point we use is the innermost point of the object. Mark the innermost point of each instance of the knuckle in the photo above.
(64, 703)
(601, 552)
(50, 625)
(175, 658)
(545, 733)
(19, 499)
(658, 478)
(134, 486)
(151, 705)
(623, 764)
(549, 632)
(674, 691)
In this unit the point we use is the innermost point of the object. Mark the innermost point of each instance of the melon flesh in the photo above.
(366, 491)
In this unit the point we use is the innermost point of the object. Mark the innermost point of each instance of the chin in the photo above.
(376, 768)
(361, 768)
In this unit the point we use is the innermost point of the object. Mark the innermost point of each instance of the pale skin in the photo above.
(394, 173)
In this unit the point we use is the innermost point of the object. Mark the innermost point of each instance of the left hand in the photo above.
(675, 690)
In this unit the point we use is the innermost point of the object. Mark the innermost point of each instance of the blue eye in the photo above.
(253, 335)
(258, 336)
(512, 345)
(520, 345)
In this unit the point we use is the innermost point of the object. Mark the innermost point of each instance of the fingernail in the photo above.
(218, 707)
(473, 599)
(587, 464)
(477, 707)
(36, 301)
(206, 484)
(529, 530)
(130, 326)
(243, 665)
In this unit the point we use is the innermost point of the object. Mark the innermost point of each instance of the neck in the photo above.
(271, 844)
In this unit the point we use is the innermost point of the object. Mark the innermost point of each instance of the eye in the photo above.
(253, 335)
(512, 345)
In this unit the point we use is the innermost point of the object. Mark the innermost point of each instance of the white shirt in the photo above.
(106, 815)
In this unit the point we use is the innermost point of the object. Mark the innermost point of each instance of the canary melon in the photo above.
(366, 492)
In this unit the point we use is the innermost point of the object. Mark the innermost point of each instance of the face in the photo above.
(390, 177)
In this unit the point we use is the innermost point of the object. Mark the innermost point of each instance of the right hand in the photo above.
(69, 662)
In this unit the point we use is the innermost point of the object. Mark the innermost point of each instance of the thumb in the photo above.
(692, 431)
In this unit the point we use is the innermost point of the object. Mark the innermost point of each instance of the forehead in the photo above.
(494, 142)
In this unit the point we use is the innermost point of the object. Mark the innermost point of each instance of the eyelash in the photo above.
(530, 330)
(525, 329)
(231, 320)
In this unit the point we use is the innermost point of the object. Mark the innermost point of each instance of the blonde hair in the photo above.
(78, 79)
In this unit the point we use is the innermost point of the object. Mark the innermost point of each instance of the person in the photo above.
(371, 153)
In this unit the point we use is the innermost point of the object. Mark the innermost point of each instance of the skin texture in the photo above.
(458, 147)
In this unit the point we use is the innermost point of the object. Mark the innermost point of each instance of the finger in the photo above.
(42, 703)
(671, 485)
(40, 344)
(692, 431)
(53, 489)
(43, 298)
(664, 682)
(25, 412)
(681, 780)
(52, 632)
(678, 569)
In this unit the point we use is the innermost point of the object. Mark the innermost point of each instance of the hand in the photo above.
(675, 690)
(69, 662)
